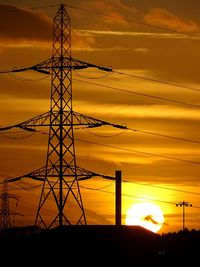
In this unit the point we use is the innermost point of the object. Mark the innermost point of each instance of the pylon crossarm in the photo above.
(29, 125)
(67, 63)
(41, 67)
(91, 174)
(93, 122)
(10, 180)
(35, 175)
(53, 63)
(11, 196)
(40, 174)
(44, 120)
(108, 177)
(83, 174)
(78, 62)
(8, 195)
(12, 213)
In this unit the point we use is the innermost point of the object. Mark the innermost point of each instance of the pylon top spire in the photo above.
(61, 34)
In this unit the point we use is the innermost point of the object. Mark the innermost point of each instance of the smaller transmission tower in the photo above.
(5, 213)
(183, 204)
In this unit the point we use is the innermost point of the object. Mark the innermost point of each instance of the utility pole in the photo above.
(5, 213)
(118, 198)
(60, 175)
(183, 204)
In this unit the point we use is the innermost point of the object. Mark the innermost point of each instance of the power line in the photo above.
(149, 25)
(197, 207)
(151, 199)
(132, 196)
(112, 16)
(140, 94)
(106, 136)
(45, 6)
(124, 129)
(27, 188)
(99, 188)
(16, 77)
(127, 195)
(140, 152)
(161, 135)
(6, 136)
(94, 78)
(165, 136)
(150, 133)
(163, 187)
(157, 81)
(154, 186)
(135, 130)
(132, 21)
(13, 75)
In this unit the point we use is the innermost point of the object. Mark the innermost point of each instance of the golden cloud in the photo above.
(155, 35)
(105, 14)
(81, 42)
(19, 23)
(21, 27)
(164, 18)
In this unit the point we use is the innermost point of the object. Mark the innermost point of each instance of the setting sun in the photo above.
(147, 215)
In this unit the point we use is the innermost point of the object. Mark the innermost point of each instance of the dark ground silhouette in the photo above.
(94, 245)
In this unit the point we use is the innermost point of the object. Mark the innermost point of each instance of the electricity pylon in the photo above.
(61, 175)
(5, 213)
(61, 149)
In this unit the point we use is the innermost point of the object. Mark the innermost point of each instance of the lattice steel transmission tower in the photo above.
(61, 175)
(61, 150)
(5, 213)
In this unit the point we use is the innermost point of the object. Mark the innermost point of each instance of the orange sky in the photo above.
(25, 39)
